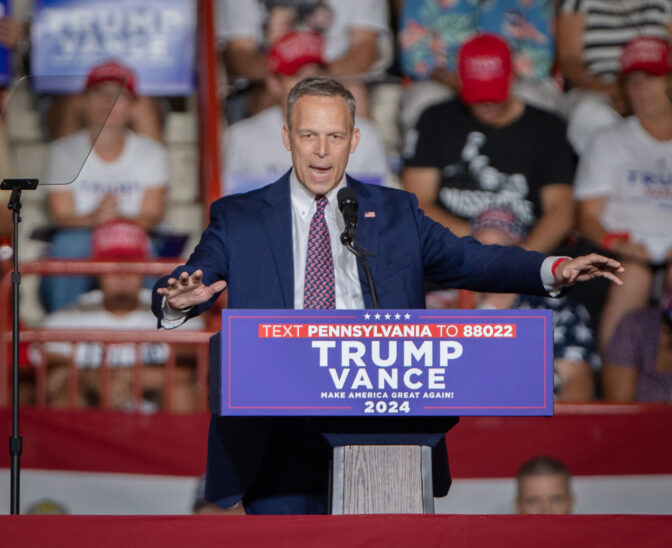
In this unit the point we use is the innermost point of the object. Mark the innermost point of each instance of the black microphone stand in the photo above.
(349, 240)
(15, 441)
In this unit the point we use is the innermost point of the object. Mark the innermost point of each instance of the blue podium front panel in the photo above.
(383, 363)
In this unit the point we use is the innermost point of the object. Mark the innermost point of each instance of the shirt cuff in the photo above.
(547, 277)
(171, 318)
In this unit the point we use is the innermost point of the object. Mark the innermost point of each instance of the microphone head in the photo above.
(346, 197)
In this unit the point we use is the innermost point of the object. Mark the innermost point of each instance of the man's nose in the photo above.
(545, 507)
(322, 147)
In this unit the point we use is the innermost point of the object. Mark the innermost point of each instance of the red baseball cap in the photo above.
(119, 239)
(112, 71)
(294, 50)
(485, 69)
(648, 54)
(503, 220)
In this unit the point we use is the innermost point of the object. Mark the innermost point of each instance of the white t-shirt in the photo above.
(250, 18)
(634, 171)
(142, 164)
(88, 313)
(254, 155)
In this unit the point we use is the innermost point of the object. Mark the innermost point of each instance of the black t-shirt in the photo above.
(484, 167)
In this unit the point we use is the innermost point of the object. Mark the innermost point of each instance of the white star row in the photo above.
(386, 316)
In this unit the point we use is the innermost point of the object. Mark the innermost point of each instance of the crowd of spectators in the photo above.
(529, 123)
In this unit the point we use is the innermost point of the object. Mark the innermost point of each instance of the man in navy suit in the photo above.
(260, 245)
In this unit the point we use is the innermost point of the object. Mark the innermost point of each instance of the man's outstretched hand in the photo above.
(187, 291)
(586, 268)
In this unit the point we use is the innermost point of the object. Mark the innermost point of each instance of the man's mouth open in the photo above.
(320, 171)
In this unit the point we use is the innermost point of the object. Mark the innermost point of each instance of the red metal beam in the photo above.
(208, 106)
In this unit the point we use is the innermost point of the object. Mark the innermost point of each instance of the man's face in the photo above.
(320, 140)
(544, 494)
(105, 97)
(491, 113)
(647, 93)
(120, 291)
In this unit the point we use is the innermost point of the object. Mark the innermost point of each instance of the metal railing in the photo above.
(40, 336)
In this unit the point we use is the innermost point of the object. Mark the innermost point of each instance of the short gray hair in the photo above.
(320, 86)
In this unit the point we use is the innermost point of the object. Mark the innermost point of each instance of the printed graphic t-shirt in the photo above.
(484, 167)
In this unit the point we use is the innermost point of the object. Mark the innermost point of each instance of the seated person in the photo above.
(119, 304)
(574, 347)
(253, 151)
(356, 35)
(543, 487)
(591, 37)
(125, 175)
(490, 149)
(623, 182)
(431, 33)
(638, 359)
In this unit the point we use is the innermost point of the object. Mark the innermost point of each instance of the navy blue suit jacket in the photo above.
(248, 243)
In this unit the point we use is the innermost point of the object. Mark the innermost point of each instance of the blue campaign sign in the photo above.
(384, 362)
(5, 54)
(154, 37)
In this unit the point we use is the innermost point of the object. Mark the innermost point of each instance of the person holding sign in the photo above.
(278, 247)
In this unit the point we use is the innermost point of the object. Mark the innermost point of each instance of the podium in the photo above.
(386, 466)
(383, 387)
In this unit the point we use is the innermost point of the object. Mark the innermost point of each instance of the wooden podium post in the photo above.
(382, 479)
(384, 465)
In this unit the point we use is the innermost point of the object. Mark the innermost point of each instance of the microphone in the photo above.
(347, 204)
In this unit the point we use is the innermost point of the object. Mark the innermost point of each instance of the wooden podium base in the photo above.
(382, 479)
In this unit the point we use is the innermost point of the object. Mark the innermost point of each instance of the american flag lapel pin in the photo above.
(369, 214)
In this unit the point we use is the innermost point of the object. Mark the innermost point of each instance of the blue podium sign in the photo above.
(383, 363)
(156, 38)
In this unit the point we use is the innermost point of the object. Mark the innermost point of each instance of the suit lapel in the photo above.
(276, 214)
(367, 234)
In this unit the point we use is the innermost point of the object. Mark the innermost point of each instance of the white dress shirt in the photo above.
(346, 278)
